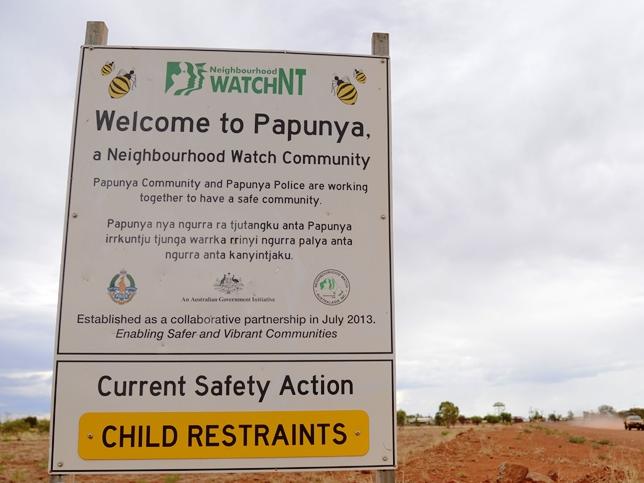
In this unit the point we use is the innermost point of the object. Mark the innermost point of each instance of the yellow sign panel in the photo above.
(192, 435)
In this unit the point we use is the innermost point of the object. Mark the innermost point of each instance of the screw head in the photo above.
(59, 464)
(383, 217)
(90, 436)
(385, 458)
(74, 215)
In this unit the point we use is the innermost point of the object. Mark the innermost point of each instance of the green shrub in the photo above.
(536, 416)
(506, 418)
(32, 421)
(577, 439)
(492, 419)
(43, 426)
(449, 413)
(14, 426)
(401, 417)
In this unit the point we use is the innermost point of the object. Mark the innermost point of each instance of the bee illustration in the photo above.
(107, 68)
(345, 91)
(360, 76)
(121, 84)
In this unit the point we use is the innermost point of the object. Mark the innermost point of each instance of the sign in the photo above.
(226, 281)
(277, 434)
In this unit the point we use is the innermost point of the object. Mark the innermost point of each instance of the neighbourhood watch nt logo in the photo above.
(184, 78)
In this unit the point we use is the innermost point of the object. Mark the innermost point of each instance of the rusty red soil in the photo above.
(425, 454)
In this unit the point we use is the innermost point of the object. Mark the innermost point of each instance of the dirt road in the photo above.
(425, 454)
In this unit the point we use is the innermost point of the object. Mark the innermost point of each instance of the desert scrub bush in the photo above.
(32, 421)
(547, 431)
(43, 426)
(401, 417)
(577, 440)
(492, 419)
(19, 475)
(602, 442)
(505, 418)
(14, 426)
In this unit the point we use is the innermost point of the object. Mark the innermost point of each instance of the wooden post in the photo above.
(380, 46)
(386, 476)
(62, 478)
(95, 34)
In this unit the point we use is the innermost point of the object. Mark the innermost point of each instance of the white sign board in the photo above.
(228, 230)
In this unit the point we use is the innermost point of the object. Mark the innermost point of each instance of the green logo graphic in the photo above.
(331, 287)
(183, 78)
(328, 284)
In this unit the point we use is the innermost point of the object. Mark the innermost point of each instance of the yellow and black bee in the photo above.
(360, 76)
(345, 91)
(107, 68)
(121, 84)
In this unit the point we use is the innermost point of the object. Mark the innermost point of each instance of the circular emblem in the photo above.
(331, 287)
(122, 288)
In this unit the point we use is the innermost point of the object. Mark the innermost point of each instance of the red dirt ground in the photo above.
(425, 454)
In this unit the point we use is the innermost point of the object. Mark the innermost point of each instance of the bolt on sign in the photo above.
(226, 286)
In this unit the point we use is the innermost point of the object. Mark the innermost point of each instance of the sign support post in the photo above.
(95, 34)
(380, 46)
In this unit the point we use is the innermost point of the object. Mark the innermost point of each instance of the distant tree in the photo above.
(492, 419)
(43, 425)
(499, 407)
(552, 417)
(535, 415)
(517, 419)
(31, 421)
(506, 418)
(632, 411)
(14, 426)
(606, 410)
(449, 413)
(462, 419)
(570, 416)
(476, 420)
(401, 417)
(438, 419)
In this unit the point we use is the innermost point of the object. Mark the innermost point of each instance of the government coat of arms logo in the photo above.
(122, 288)
(229, 283)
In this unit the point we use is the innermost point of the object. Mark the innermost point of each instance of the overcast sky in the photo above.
(518, 145)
